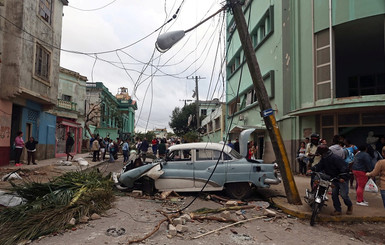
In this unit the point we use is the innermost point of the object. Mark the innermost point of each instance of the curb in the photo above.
(296, 211)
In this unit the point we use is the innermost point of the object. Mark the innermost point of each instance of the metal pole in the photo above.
(266, 110)
(197, 102)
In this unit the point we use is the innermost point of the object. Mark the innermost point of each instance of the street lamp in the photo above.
(166, 40)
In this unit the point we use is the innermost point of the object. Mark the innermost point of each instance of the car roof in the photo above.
(201, 145)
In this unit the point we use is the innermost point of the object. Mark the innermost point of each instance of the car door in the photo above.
(178, 172)
(205, 161)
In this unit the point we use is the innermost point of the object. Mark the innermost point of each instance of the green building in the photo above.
(108, 115)
(323, 66)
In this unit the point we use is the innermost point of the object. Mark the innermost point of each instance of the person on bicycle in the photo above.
(333, 166)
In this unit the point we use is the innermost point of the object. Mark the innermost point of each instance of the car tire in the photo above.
(240, 190)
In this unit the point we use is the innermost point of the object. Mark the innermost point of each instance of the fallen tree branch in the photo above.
(218, 210)
(220, 219)
(227, 226)
(168, 218)
(149, 234)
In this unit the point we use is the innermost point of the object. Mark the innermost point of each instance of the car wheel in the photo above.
(238, 190)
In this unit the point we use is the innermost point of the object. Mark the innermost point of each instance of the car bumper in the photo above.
(272, 181)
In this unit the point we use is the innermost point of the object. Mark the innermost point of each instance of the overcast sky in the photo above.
(163, 84)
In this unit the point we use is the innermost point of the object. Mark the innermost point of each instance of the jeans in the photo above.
(341, 189)
(383, 197)
(18, 152)
(31, 156)
(112, 157)
(125, 156)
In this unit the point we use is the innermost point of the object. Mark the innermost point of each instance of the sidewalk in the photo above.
(49, 168)
(374, 212)
(56, 162)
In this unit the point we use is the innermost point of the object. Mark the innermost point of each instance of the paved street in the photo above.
(138, 216)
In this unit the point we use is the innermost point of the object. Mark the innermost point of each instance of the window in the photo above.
(66, 97)
(217, 123)
(42, 62)
(45, 10)
(205, 155)
(263, 29)
(322, 69)
(234, 107)
(203, 112)
(210, 126)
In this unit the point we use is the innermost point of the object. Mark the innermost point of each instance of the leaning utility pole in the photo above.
(197, 98)
(266, 110)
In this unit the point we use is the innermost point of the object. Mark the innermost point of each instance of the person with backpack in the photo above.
(350, 151)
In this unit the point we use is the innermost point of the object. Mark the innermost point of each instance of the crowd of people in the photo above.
(359, 162)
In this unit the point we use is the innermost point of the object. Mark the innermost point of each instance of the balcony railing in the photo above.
(66, 104)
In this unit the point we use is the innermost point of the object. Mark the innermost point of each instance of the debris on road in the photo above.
(115, 232)
(10, 200)
(51, 206)
(11, 176)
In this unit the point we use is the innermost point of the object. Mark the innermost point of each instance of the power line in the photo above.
(94, 8)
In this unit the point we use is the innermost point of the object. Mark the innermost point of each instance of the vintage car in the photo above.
(214, 166)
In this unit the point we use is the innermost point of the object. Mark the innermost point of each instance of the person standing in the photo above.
(333, 166)
(311, 149)
(144, 149)
(362, 164)
(95, 149)
(31, 149)
(19, 145)
(236, 145)
(111, 150)
(336, 147)
(69, 143)
(301, 158)
(162, 148)
(379, 169)
(154, 145)
(103, 147)
(230, 144)
(125, 149)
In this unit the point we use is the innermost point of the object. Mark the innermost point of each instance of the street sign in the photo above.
(267, 112)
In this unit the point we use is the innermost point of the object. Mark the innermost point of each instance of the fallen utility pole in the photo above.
(266, 110)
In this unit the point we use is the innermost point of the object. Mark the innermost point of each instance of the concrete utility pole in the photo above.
(197, 98)
(266, 110)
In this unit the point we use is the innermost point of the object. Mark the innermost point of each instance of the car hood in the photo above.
(243, 139)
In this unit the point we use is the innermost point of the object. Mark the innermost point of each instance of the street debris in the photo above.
(11, 176)
(227, 226)
(65, 163)
(82, 162)
(10, 200)
(51, 207)
(115, 232)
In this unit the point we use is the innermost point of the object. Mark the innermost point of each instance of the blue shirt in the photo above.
(125, 146)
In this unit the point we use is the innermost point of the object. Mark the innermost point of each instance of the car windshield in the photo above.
(235, 154)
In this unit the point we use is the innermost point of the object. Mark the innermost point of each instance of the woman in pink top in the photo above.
(19, 145)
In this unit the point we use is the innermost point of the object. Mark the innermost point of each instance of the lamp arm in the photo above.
(203, 21)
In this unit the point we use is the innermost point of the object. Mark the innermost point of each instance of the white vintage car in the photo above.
(192, 166)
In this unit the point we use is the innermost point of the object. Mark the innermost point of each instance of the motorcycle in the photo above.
(318, 195)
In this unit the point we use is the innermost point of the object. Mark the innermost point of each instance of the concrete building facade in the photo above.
(108, 115)
(70, 110)
(323, 67)
(30, 39)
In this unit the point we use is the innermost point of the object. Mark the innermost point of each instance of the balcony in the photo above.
(66, 105)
